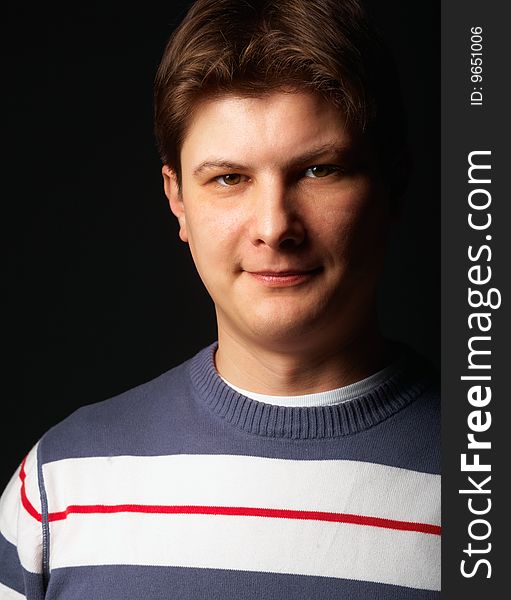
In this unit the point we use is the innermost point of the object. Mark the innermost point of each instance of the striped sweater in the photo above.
(184, 488)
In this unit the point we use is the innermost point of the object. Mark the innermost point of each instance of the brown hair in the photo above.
(253, 47)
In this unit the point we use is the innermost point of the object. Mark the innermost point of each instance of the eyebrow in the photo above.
(338, 150)
(218, 164)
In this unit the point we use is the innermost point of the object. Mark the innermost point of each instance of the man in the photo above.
(298, 456)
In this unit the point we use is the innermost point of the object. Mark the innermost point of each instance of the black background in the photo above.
(102, 294)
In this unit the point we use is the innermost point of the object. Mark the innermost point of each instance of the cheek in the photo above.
(357, 225)
(213, 239)
(369, 238)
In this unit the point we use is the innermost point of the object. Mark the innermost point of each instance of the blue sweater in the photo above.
(184, 488)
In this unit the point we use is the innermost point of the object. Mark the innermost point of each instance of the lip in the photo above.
(284, 278)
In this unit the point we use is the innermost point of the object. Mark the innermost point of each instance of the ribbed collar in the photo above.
(315, 422)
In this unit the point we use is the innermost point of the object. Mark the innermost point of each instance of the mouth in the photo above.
(284, 278)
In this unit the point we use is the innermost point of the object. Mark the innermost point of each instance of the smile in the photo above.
(283, 278)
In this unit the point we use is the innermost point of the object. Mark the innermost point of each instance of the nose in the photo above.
(275, 221)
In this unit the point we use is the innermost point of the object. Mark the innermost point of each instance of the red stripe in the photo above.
(247, 511)
(24, 499)
(240, 511)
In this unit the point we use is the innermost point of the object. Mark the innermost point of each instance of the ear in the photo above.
(175, 199)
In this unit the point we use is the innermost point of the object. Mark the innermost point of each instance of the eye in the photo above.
(321, 171)
(229, 179)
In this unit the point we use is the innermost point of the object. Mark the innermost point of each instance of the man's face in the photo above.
(285, 215)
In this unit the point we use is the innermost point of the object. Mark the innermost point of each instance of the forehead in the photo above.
(266, 129)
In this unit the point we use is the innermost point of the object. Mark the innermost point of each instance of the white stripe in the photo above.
(225, 480)
(17, 526)
(6, 593)
(30, 543)
(32, 479)
(249, 543)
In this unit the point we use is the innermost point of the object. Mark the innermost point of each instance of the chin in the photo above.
(283, 327)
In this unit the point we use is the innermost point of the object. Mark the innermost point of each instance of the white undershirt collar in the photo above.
(328, 398)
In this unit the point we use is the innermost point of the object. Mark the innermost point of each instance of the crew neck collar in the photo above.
(311, 422)
(325, 398)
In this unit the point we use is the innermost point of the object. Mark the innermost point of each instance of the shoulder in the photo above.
(416, 429)
(409, 437)
(124, 424)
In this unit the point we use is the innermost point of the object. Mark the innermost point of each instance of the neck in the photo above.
(301, 370)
